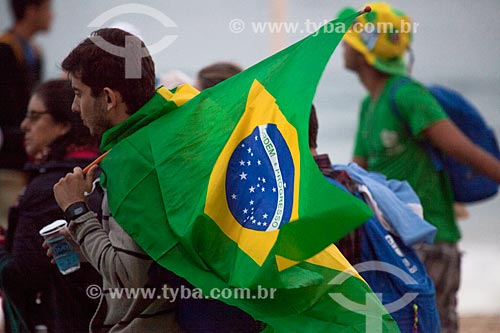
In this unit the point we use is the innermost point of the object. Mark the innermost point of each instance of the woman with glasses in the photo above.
(36, 294)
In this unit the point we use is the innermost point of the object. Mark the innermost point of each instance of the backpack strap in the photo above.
(392, 100)
(434, 153)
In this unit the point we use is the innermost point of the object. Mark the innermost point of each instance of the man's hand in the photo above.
(45, 245)
(71, 188)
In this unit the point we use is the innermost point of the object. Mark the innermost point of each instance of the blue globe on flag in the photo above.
(260, 180)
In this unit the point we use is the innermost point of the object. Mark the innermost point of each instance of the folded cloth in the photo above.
(398, 203)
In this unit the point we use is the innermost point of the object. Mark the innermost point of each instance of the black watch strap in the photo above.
(75, 210)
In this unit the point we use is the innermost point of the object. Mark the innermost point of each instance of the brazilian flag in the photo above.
(220, 188)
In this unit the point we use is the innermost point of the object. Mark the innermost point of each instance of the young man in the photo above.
(20, 71)
(105, 97)
(375, 53)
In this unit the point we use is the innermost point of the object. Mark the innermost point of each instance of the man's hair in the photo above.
(19, 7)
(313, 128)
(213, 74)
(97, 68)
(57, 97)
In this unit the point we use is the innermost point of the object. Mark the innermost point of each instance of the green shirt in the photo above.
(383, 140)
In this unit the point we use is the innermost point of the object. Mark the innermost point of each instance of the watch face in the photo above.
(78, 211)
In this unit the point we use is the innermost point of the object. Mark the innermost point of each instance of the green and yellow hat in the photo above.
(382, 36)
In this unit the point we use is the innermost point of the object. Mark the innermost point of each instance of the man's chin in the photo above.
(97, 132)
(350, 68)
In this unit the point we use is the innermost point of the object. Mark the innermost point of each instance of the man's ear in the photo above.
(113, 98)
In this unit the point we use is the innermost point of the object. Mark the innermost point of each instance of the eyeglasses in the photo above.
(34, 116)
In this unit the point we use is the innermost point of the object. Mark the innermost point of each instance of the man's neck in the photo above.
(120, 114)
(373, 81)
(24, 29)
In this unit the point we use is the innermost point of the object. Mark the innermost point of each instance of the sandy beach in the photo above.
(480, 324)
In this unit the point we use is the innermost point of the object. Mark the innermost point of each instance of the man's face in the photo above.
(43, 15)
(351, 57)
(92, 109)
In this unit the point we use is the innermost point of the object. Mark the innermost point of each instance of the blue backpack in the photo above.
(395, 273)
(400, 279)
(467, 185)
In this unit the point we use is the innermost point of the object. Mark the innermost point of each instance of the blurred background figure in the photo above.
(175, 78)
(20, 71)
(210, 75)
(56, 141)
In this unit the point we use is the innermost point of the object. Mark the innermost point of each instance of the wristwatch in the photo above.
(75, 210)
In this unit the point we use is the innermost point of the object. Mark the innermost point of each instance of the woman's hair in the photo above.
(57, 96)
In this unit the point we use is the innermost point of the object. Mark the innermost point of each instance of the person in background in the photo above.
(384, 145)
(174, 78)
(210, 75)
(56, 141)
(20, 71)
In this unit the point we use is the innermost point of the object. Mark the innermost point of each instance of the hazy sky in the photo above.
(453, 37)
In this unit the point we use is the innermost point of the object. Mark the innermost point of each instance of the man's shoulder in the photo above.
(6, 49)
(406, 90)
(415, 104)
(8, 40)
(10, 46)
(404, 85)
(6, 37)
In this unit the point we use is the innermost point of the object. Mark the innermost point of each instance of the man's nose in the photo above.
(75, 107)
